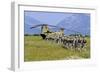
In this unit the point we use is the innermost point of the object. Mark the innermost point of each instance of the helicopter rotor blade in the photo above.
(42, 25)
(67, 29)
(52, 26)
(35, 26)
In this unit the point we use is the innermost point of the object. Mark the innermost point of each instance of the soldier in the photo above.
(76, 42)
(83, 42)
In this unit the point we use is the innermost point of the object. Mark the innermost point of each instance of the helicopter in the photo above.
(45, 31)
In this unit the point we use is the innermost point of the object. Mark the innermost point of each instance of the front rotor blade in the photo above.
(36, 26)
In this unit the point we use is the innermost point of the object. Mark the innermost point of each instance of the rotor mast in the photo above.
(44, 28)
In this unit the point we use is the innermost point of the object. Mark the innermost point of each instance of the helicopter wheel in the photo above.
(43, 36)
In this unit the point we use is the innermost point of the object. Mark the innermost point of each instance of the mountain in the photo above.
(76, 23)
(29, 22)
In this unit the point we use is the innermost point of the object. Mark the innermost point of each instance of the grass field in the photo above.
(37, 49)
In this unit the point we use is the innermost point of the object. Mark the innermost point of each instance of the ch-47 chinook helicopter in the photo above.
(45, 31)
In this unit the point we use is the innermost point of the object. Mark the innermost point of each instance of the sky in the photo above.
(47, 17)
(73, 21)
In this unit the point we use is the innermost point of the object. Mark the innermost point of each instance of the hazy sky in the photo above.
(73, 21)
(50, 18)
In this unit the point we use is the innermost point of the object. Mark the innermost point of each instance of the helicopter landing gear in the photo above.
(43, 36)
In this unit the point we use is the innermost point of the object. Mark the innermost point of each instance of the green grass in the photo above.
(37, 49)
